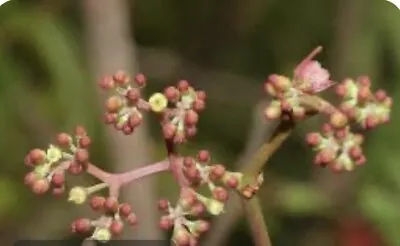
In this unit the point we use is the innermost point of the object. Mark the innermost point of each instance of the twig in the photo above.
(256, 220)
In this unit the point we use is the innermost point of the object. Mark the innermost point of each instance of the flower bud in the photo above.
(78, 195)
(116, 228)
(338, 120)
(272, 112)
(40, 186)
(132, 219)
(97, 202)
(140, 79)
(37, 156)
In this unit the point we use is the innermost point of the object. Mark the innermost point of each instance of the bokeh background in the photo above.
(52, 53)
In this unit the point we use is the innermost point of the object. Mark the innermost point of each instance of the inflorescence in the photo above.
(179, 106)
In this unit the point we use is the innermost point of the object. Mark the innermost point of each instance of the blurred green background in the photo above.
(52, 53)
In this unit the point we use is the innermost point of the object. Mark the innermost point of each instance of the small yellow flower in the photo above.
(102, 235)
(53, 154)
(158, 102)
(78, 195)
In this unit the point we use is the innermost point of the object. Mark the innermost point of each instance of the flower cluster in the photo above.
(286, 102)
(178, 107)
(362, 105)
(125, 107)
(49, 166)
(309, 78)
(110, 224)
(179, 121)
(338, 149)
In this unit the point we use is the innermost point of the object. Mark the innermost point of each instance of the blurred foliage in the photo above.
(45, 87)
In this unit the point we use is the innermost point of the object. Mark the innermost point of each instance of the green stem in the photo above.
(256, 222)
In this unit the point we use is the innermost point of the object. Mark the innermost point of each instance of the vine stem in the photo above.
(313, 105)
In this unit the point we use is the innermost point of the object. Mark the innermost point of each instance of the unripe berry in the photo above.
(203, 156)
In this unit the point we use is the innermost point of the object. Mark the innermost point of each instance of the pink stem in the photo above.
(116, 180)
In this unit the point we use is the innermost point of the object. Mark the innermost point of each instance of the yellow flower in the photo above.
(53, 154)
(78, 195)
(158, 102)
